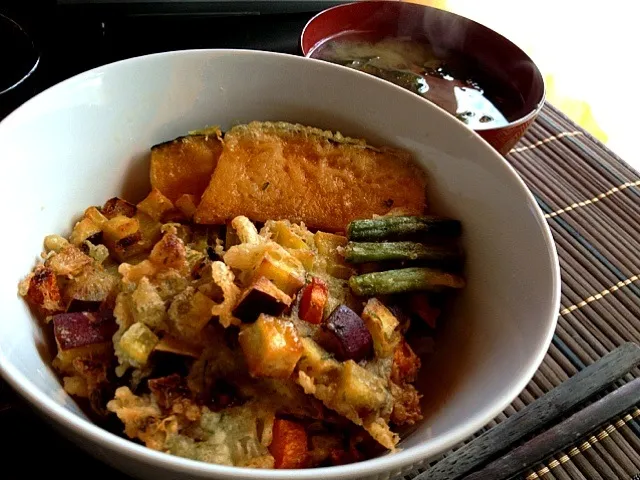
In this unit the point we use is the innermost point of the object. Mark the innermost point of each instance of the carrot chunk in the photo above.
(406, 364)
(289, 444)
(314, 298)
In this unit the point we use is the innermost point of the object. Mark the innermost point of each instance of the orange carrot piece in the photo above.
(314, 298)
(289, 445)
(406, 364)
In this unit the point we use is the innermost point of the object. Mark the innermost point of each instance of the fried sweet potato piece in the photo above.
(41, 290)
(271, 347)
(156, 205)
(122, 236)
(262, 296)
(279, 170)
(184, 165)
(284, 271)
(117, 206)
(85, 229)
(79, 329)
(189, 313)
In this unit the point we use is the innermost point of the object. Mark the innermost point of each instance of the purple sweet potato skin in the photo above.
(346, 335)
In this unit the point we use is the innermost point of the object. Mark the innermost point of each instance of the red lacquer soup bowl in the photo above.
(505, 65)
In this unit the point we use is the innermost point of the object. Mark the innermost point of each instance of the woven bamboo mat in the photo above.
(591, 199)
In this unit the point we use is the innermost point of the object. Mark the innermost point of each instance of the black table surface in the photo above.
(73, 39)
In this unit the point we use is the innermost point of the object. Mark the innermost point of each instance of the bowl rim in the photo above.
(83, 428)
(536, 108)
(36, 63)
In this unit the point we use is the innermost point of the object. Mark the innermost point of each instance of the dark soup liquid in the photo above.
(452, 81)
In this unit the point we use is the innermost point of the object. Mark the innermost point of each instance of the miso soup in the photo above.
(451, 80)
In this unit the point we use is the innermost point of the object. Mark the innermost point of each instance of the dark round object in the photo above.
(18, 55)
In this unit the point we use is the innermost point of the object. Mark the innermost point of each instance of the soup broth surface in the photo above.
(450, 80)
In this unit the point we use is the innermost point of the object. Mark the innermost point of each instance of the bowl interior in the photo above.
(88, 138)
(445, 31)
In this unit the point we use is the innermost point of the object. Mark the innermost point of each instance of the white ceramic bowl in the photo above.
(86, 139)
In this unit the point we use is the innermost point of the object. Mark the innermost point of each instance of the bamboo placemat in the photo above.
(591, 199)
